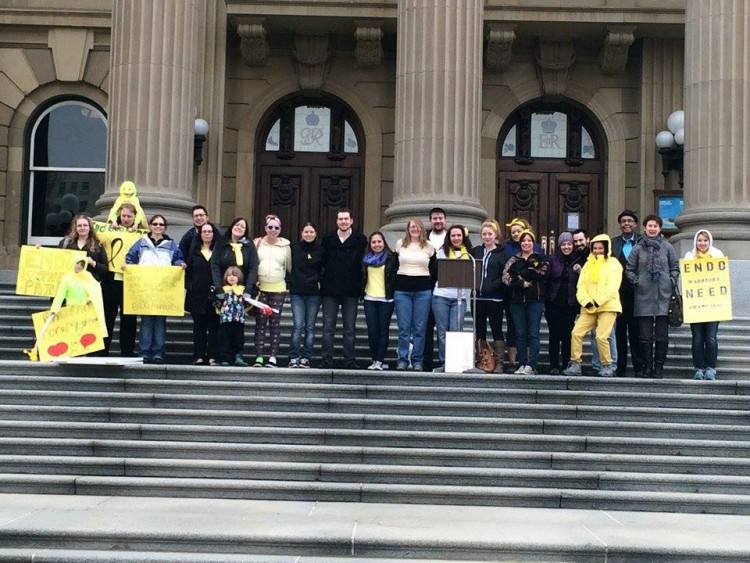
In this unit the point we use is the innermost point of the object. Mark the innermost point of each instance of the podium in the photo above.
(459, 346)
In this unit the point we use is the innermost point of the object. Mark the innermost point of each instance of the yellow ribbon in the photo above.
(237, 247)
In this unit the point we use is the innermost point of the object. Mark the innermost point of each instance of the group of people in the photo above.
(616, 289)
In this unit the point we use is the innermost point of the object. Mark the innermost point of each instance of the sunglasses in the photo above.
(273, 227)
(157, 224)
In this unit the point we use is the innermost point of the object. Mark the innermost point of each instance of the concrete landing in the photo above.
(310, 531)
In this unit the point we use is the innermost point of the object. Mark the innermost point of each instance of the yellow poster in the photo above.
(706, 290)
(40, 269)
(154, 290)
(74, 331)
(117, 241)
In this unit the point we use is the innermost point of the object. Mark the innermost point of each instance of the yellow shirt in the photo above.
(375, 282)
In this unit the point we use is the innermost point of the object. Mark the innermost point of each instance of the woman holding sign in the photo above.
(653, 269)
(705, 345)
(154, 249)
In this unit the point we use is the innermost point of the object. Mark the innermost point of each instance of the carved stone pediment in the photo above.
(615, 47)
(369, 49)
(554, 59)
(312, 53)
(253, 44)
(500, 38)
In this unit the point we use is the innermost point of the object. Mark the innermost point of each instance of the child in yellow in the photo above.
(598, 293)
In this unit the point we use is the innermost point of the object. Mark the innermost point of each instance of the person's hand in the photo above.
(183, 265)
(576, 267)
(90, 261)
(123, 267)
(526, 284)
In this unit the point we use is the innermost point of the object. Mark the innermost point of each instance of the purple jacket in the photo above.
(562, 269)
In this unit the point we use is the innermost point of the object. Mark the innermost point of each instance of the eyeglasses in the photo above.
(199, 214)
(273, 227)
(158, 224)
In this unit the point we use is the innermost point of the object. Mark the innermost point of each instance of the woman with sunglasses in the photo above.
(154, 249)
(274, 263)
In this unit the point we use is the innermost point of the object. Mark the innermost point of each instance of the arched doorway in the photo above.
(550, 170)
(310, 164)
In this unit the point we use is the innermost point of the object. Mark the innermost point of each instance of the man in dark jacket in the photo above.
(626, 326)
(341, 286)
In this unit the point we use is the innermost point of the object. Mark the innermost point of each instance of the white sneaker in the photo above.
(529, 370)
(520, 371)
(607, 371)
(376, 365)
(574, 368)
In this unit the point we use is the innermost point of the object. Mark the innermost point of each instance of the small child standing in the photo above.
(232, 312)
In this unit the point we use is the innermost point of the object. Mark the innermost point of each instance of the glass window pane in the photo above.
(549, 135)
(509, 144)
(312, 129)
(58, 196)
(350, 139)
(272, 141)
(73, 135)
(587, 145)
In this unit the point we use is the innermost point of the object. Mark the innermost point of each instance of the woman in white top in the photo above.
(449, 304)
(413, 292)
(274, 262)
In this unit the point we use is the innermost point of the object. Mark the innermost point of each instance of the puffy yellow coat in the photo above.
(600, 280)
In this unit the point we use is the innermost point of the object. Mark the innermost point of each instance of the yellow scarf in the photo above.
(594, 266)
(699, 254)
(463, 254)
(237, 247)
(236, 289)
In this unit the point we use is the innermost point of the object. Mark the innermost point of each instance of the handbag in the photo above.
(674, 314)
(485, 356)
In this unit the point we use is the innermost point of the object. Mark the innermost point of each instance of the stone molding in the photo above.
(500, 38)
(617, 42)
(369, 50)
(253, 43)
(312, 53)
(554, 59)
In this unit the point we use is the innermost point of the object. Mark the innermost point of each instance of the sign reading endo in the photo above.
(706, 290)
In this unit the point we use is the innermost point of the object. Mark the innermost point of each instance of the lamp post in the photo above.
(670, 143)
(200, 129)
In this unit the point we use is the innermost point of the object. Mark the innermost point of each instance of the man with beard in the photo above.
(436, 237)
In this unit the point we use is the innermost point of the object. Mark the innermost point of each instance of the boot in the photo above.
(660, 356)
(647, 351)
(499, 350)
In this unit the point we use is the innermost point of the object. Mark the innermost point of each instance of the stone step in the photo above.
(378, 493)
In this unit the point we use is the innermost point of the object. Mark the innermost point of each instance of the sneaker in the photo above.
(258, 362)
(520, 371)
(401, 366)
(699, 375)
(271, 362)
(239, 362)
(710, 374)
(213, 362)
(199, 362)
(607, 371)
(304, 363)
(417, 367)
(225, 364)
(158, 361)
(574, 368)
(529, 370)
(293, 363)
(554, 371)
(375, 365)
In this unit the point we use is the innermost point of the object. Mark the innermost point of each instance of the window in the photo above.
(67, 158)
(311, 129)
(549, 133)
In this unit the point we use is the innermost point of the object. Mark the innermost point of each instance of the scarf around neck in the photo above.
(237, 247)
(653, 248)
(375, 259)
(460, 253)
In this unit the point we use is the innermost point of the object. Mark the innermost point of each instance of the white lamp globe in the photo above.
(200, 127)
(664, 140)
(679, 137)
(676, 121)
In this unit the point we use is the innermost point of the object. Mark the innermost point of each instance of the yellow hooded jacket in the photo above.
(600, 280)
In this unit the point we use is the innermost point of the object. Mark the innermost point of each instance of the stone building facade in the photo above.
(543, 109)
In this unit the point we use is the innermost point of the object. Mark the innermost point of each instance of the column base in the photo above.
(729, 227)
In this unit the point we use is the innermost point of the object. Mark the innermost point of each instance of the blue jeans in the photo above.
(349, 318)
(705, 345)
(153, 337)
(304, 314)
(412, 309)
(596, 363)
(378, 315)
(527, 318)
(445, 310)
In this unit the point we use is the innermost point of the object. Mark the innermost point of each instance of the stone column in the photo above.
(438, 105)
(152, 104)
(717, 124)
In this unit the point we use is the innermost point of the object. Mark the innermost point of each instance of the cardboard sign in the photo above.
(41, 269)
(116, 241)
(706, 290)
(154, 290)
(73, 332)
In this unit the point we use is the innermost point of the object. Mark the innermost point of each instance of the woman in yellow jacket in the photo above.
(598, 293)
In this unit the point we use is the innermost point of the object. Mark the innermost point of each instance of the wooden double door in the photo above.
(551, 201)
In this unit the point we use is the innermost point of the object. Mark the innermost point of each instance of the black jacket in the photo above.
(342, 265)
(491, 267)
(626, 288)
(307, 268)
(391, 269)
(223, 257)
(198, 280)
(101, 270)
